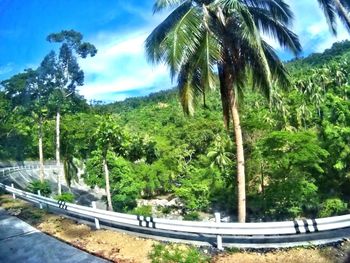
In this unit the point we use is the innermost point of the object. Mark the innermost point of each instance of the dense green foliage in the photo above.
(66, 197)
(297, 146)
(43, 187)
(332, 207)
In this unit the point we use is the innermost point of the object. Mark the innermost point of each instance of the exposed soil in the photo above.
(124, 248)
(297, 255)
(115, 246)
(111, 245)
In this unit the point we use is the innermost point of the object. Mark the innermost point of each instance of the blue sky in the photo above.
(118, 29)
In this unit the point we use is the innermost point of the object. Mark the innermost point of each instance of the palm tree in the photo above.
(334, 8)
(202, 37)
(220, 154)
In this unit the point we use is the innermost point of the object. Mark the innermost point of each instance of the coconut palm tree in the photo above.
(203, 37)
(220, 154)
(334, 8)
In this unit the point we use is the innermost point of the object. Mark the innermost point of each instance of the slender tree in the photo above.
(201, 37)
(67, 76)
(109, 137)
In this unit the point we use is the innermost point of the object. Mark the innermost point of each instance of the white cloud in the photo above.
(316, 29)
(119, 66)
(312, 28)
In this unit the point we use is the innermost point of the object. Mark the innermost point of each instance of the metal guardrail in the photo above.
(7, 170)
(251, 235)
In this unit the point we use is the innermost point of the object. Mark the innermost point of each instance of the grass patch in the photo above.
(177, 254)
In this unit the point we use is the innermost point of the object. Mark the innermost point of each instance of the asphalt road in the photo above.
(20, 242)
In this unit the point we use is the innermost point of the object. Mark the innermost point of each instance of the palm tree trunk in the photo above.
(108, 189)
(240, 161)
(224, 98)
(226, 87)
(58, 159)
(41, 152)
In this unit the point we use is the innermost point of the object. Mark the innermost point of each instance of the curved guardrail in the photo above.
(247, 235)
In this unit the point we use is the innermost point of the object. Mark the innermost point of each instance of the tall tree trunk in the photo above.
(226, 87)
(108, 189)
(58, 159)
(240, 160)
(41, 152)
(224, 98)
(343, 11)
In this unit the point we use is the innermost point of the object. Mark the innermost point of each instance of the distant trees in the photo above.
(52, 85)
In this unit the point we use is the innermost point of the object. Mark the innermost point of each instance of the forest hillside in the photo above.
(296, 144)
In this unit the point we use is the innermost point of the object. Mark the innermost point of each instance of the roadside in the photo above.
(111, 245)
(20, 242)
(124, 248)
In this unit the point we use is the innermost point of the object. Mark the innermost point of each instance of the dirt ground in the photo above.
(298, 255)
(124, 248)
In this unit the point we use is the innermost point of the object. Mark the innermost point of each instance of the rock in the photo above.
(226, 219)
(159, 202)
(174, 202)
(14, 212)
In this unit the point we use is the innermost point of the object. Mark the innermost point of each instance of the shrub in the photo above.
(176, 253)
(191, 216)
(166, 210)
(195, 196)
(332, 207)
(66, 197)
(145, 210)
(44, 187)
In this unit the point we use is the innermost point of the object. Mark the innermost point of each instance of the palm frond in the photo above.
(343, 13)
(207, 56)
(278, 9)
(154, 49)
(182, 41)
(276, 29)
(330, 14)
(164, 4)
(278, 71)
(253, 52)
(345, 3)
(186, 91)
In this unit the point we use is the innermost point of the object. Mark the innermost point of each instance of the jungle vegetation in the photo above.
(296, 145)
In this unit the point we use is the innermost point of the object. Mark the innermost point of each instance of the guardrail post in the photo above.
(40, 204)
(13, 194)
(97, 222)
(218, 237)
